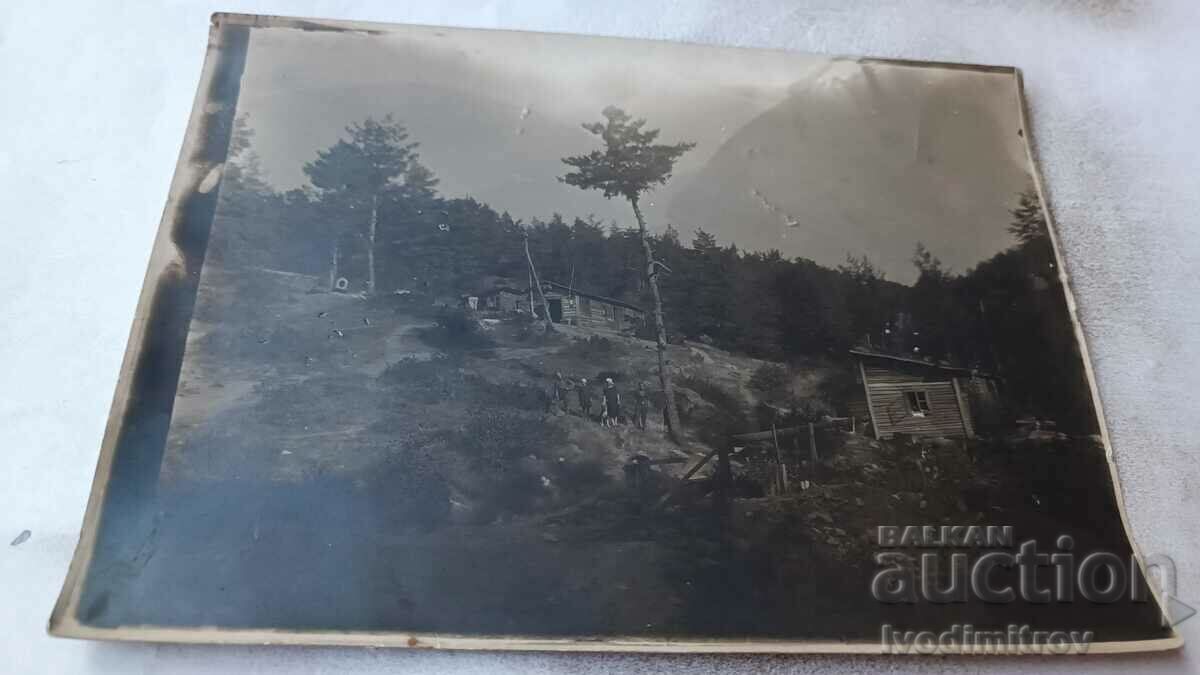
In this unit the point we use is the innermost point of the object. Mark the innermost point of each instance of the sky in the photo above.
(816, 157)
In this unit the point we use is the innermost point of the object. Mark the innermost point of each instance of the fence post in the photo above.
(781, 474)
(724, 491)
(812, 448)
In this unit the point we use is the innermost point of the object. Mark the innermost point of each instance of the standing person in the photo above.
(612, 401)
(567, 393)
(560, 392)
(550, 397)
(641, 408)
(585, 397)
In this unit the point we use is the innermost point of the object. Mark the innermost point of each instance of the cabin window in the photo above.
(918, 403)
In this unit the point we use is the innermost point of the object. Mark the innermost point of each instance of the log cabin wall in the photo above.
(599, 315)
(912, 398)
(893, 413)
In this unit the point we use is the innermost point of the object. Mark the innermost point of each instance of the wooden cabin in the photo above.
(572, 306)
(503, 299)
(903, 395)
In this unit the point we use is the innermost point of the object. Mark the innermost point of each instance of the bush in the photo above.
(771, 379)
(593, 348)
(457, 330)
(805, 410)
(726, 416)
(499, 445)
(840, 387)
(494, 436)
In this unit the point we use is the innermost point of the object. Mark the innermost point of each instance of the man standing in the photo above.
(641, 406)
(567, 391)
(560, 392)
(612, 401)
(585, 397)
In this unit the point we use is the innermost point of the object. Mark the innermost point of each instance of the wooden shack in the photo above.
(572, 306)
(504, 299)
(903, 395)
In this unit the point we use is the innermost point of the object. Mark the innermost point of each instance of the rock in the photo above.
(858, 501)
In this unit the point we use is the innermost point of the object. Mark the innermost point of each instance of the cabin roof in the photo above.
(501, 289)
(863, 353)
(593, 296)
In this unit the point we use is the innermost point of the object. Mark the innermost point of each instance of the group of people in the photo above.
(611, 413)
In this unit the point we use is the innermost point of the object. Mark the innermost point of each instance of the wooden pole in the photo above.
(812, 448)
(371, 244)
(538, 283)
(782, 471)
(674, 429)
(862, 370)
(964, 411)
(724, 491)
(699, 465)
(333, 265)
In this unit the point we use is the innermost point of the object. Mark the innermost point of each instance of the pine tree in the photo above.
(630, 165)
(357, 173)
(1029, 221)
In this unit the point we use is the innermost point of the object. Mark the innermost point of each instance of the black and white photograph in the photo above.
(510, 340)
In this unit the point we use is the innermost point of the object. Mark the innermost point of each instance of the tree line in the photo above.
(372, 213)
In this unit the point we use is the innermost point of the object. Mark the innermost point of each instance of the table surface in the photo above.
(96, 96)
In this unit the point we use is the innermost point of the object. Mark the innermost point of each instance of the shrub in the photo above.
(771, 379)
(594, 347)
(726, 416)
(457, 330)
(495, 436)
(803, 410)
(498, 444)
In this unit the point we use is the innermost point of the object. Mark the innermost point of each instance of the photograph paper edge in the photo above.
(164, 260)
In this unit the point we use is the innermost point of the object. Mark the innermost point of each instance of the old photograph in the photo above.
(460, 338)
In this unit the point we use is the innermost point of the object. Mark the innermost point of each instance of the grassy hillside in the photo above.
(312, 384)
(411, 451)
